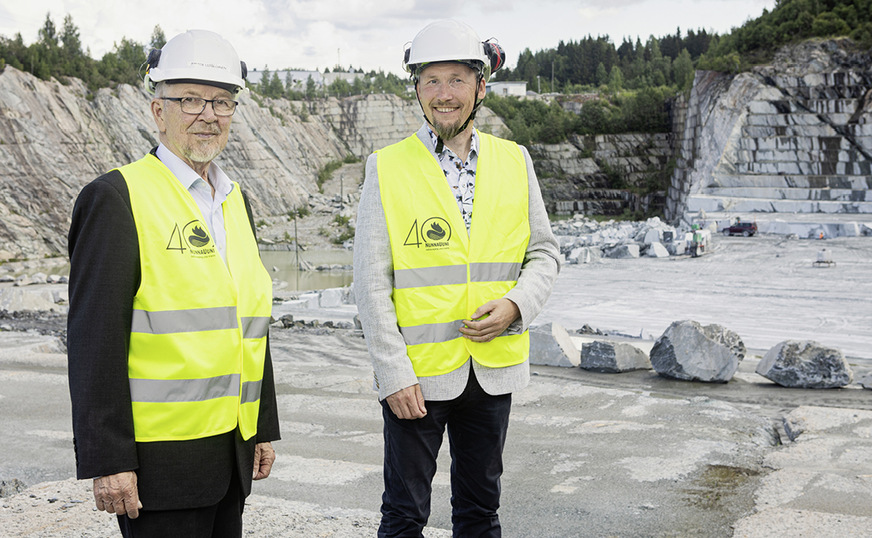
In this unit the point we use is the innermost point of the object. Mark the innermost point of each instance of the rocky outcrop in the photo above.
(54, 138)
(584, 174)
(792, 137)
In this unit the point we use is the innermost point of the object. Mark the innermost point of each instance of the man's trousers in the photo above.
(477, 423)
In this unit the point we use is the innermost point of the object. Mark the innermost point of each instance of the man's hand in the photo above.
(118, 494)
(264, 456)
(500, 314)
(408, 403)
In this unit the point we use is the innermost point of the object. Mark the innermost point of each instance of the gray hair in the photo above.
(160, 89)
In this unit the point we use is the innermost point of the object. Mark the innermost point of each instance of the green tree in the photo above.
(274, 87)
(601, 76)
(310, 88)
(122, 64)
(158, 38)
(70, 38)
(616, 80)
(48, 35)
(263, 85)
(829, 24)
(682, 68)
(594, 118)
(339, 87)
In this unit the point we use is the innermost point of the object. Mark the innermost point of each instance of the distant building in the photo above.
(507, 88)
(300, 78)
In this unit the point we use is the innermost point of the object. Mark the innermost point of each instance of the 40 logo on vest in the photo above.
(193, 239)
(433, 234)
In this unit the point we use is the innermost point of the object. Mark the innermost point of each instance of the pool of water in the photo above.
(282, 265)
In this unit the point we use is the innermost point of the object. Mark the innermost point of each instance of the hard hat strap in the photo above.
(478, 102)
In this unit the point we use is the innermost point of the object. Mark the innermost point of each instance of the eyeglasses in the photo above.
(196, 105)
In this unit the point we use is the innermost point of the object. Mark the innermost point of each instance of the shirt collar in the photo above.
(473, 148)
(188, 177)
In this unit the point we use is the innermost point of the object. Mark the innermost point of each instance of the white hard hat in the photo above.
(198, 56)
(446, 41)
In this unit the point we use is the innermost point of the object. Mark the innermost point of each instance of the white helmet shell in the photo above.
(201, 56)
(445, 41)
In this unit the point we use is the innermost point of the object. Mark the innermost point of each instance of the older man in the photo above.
(170, 373)
(453, 258)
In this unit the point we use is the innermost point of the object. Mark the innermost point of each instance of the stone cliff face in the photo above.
(55, 138)
(598, 174)
(787, 139)
(792, 138)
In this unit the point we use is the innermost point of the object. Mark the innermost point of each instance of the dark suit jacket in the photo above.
(104, 276)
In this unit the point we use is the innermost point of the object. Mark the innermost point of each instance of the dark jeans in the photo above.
(222, 520)
(477, 423)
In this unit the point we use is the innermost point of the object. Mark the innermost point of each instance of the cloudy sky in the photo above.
(370, 34)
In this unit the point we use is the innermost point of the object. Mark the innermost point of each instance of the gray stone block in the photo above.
(693, 352)
(624, 251)
(657, 250)
(331, 298)
(613, 357)
(550, 345)
(805, 364)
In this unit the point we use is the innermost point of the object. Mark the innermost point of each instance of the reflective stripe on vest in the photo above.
(441, 274)
(198, 333)
(193, 390)
(455, 274)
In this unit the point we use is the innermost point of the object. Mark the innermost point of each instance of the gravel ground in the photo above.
(588, 454)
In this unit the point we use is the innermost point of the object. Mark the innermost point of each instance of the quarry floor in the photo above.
(588, 454)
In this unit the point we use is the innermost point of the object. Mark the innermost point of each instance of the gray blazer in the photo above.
(373, 284)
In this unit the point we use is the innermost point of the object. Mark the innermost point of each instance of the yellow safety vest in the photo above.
(198, 336)
(441, 273)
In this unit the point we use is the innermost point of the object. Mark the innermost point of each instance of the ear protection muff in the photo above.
(495, 54)
(243, 69)
(407, 53)
(153, 59)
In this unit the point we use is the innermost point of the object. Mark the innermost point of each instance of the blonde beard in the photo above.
(447, 132)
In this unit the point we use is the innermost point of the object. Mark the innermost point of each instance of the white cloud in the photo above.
(369, 33)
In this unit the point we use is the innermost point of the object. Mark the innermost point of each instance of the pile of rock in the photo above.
(690, 351)
(287, 321)
(584, 240)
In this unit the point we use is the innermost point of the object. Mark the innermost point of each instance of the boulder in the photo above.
(805, 364)
(584, 255)
(657, 250)
(677, 247)
(651, 236)
(624, 251)
(693, 352)
(311, 299)
(866, 381)
(550, 345)
(331, 298)
(613, 357)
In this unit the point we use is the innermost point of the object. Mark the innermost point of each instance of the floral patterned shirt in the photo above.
(460, 175)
